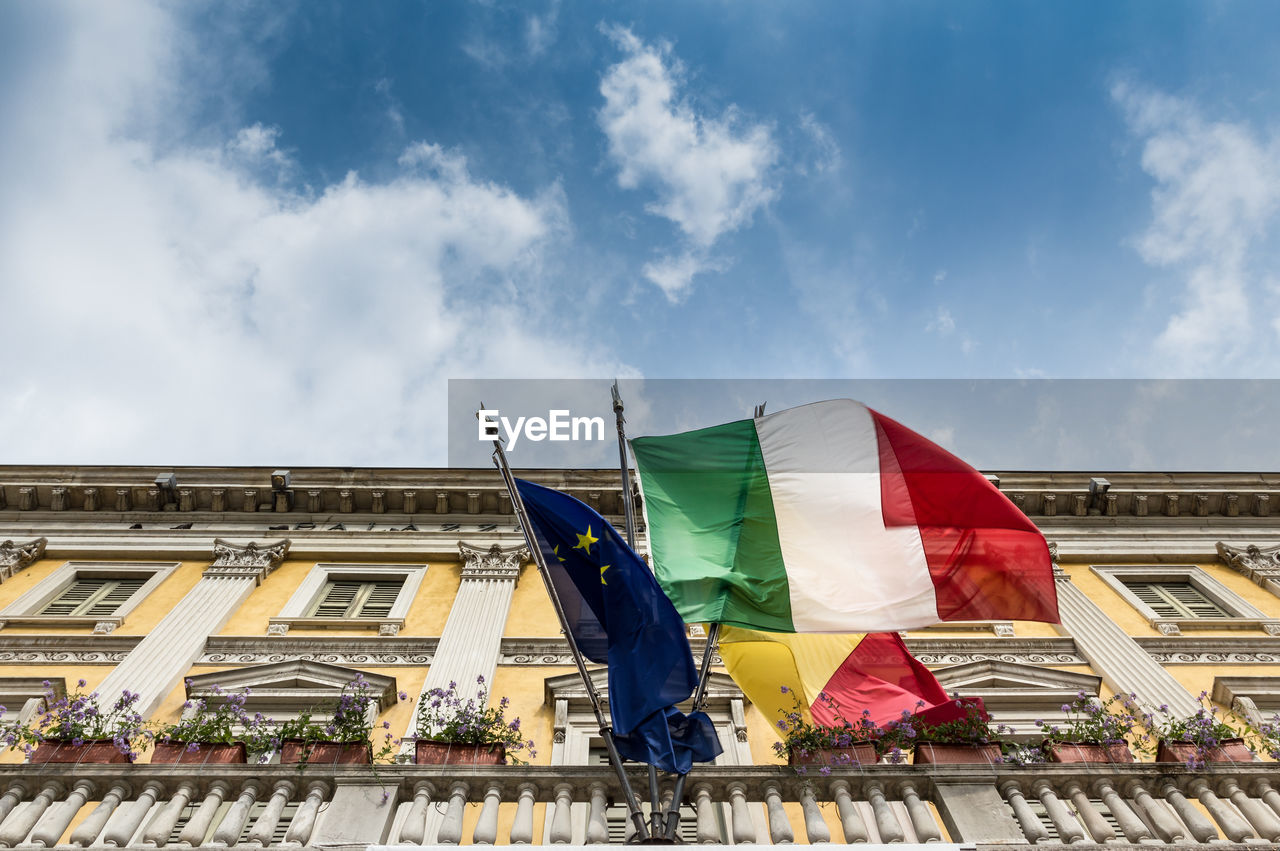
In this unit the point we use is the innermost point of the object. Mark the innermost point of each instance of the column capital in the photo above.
(14, 557)
(493, 563)
(251, 560)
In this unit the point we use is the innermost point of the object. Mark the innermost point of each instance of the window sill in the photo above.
(383, 626)
(101, 626)
(1176, 626)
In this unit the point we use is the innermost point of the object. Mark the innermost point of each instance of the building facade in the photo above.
(181, 583)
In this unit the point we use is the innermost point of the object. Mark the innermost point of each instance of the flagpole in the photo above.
(629, 525)
(606, 729)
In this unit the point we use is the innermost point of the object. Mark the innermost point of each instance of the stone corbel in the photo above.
(493, 563)
(253, 559)
(1262, 565)
(14, 557)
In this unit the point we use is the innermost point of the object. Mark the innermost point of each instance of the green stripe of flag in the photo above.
(712, 527)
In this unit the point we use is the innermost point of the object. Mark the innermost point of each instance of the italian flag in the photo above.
(831, 517)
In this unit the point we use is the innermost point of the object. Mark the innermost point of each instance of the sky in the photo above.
(271, 233)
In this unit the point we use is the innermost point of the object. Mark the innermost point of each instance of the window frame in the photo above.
(25, 611)
(310, 592)
(1240, 615)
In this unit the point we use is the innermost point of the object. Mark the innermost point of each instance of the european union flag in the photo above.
(619, 615)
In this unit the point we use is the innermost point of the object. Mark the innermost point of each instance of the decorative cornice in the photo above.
(1211, 651)
(14, 557)
(251, 560)
(495, 562)
(936, 652)
(259, 650)
(65, 649)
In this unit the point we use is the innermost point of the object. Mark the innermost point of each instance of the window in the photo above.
(350, 598)
(95, 597)
(97, 594)
(346, 596)
(1017, 694)
(1177, 597)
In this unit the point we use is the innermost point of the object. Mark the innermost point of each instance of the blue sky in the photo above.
(269, 233)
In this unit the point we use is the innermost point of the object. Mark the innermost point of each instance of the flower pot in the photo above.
(92, 751)
(1228, 750)
(859, 753)
(940, 753)
(325, 753)
(1078, 752)
(206, 753)
(456, 753)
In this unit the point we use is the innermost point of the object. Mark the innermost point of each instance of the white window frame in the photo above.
(311, 588)
(1257, 699)
(1240, 615)
(26, 609)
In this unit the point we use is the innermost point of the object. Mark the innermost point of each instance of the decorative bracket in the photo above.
(14, 557)
(252, 560)
(1262, 565)
(493, 563)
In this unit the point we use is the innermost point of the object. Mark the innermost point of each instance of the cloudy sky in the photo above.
(270, 233)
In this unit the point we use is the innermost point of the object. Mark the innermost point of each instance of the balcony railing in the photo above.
(281, 806)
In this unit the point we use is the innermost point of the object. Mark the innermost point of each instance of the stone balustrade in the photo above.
(280, 806)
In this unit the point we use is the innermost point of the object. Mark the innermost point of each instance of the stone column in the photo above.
(1113, 653)
(14, 557)
(160, 660)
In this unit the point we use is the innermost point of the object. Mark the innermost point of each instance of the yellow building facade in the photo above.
(171, 582)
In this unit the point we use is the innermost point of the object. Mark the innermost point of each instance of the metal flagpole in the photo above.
(628, 511)
(606, 729)
(699, 699)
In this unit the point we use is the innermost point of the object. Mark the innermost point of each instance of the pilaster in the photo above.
(160, 660)
(1113, 653)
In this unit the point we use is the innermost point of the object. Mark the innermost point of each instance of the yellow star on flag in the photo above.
(585, 542)
(603, 568)
(555, 551)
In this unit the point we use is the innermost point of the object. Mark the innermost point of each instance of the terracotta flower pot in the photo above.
(168, 753)
(456, 753)
(325, 753)
(92, 751)
(859, 753)
(939, 753)
(1228, 750)
(1078, 752)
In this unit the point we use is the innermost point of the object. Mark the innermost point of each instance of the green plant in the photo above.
(444, 716)
(78, 718)
(1204, 728)
(225, 722)
(972, 728)
(804, 737)
(347, 721)
(1117, 720)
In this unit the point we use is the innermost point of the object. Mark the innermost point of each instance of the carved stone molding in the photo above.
(1026, 651)
(65, 649)
(1262, 565)
(252, 559)
(1211, 651)
(14, 557)
(496, 562)
(222, 650)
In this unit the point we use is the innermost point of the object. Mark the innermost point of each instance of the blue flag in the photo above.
(619, 615)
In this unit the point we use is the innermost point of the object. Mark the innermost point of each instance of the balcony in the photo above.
(281, 806)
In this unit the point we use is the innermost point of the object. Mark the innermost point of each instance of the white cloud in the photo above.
(1216, 195)
(943, 323)
(540, 30)
(174, 304)
(710, 174)
(674, 274)
(828, 157)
